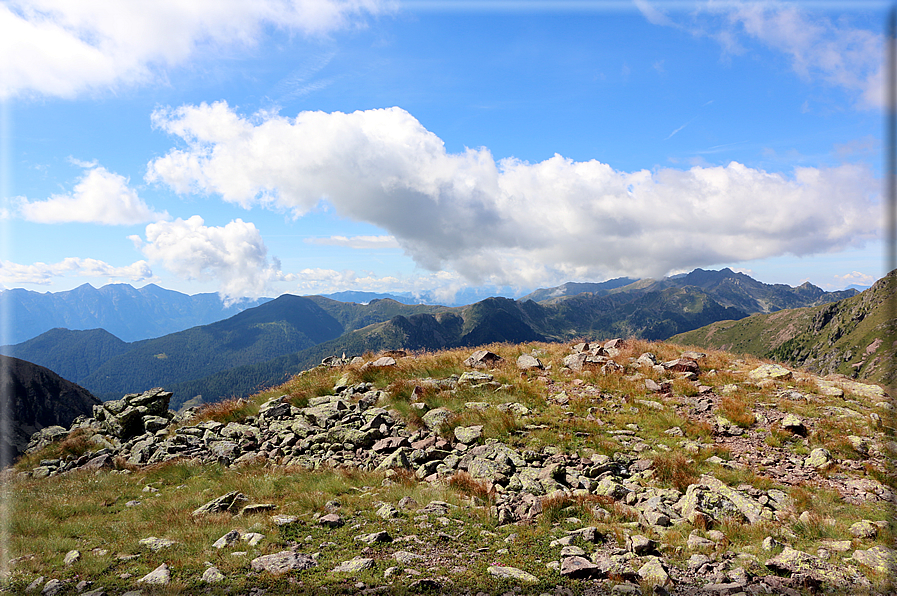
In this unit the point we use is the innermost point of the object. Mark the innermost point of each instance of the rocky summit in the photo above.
(614, 467)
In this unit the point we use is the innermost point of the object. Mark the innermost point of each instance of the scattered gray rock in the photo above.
(212, 576)
(482, 359)
(355, 565)
(512, 573)
(282, 562)
(160, 576)
(229, 502)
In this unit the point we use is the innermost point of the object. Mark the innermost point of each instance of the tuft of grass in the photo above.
(675, 469)
(737, 411)
(466, 484)
(75, 445)
(235, 409)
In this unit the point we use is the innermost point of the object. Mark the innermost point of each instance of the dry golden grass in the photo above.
(675, 469)
(737, 411)
(76, 444)
(229, 410)
(466, 484)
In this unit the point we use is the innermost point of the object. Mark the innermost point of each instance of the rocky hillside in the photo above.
(37, 398)
(737, 290)
(854, 336)
(618, 467)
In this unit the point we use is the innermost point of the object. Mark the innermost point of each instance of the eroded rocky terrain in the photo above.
(592, 468)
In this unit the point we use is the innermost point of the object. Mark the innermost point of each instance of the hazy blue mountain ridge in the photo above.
(129, 313)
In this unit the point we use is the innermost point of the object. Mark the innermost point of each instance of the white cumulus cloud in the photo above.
(66, 47)
(100, 196)
(510, 222)
(234, 255)
(44, 273)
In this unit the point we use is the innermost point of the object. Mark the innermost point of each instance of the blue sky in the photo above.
(313, 146)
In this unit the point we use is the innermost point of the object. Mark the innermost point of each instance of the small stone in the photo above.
(160, 576)
(511, 573)
(640, 545)
(820, 459)
(770, 371)
(36, 584)
(71, 557)
(354, 565)
(282, 562)
(864, 529)
(375, 537)
(794, 424)
(52, 588)
(653, 573)
(468, 434)
(528, 362)
(212, 576)
(696, 542)
(331, 520)
(405, 558)
(879, 558)
(437, 417)
(578, 567)
(156, 544)
(252, 538)
(482, 359)
(227, 540)
(387, 511)
(228, 502)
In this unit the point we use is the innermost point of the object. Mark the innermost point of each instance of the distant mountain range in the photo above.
(126, 312)
(853, 337)
(268, 343)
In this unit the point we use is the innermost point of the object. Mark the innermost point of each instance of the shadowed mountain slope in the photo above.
(37, 398)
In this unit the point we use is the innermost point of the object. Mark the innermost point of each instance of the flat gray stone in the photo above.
(282, 562)
(212, 576)
(578, 567)
(468, 434)
(156, 544)
(227, 540)
(228, 502)
(160, 576)
(512, 573)
(354, 565)
(528, 362)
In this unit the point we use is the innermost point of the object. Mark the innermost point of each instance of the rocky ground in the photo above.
(594, 468)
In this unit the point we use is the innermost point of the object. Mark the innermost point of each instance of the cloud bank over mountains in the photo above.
(506, 221)
(233, 254)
